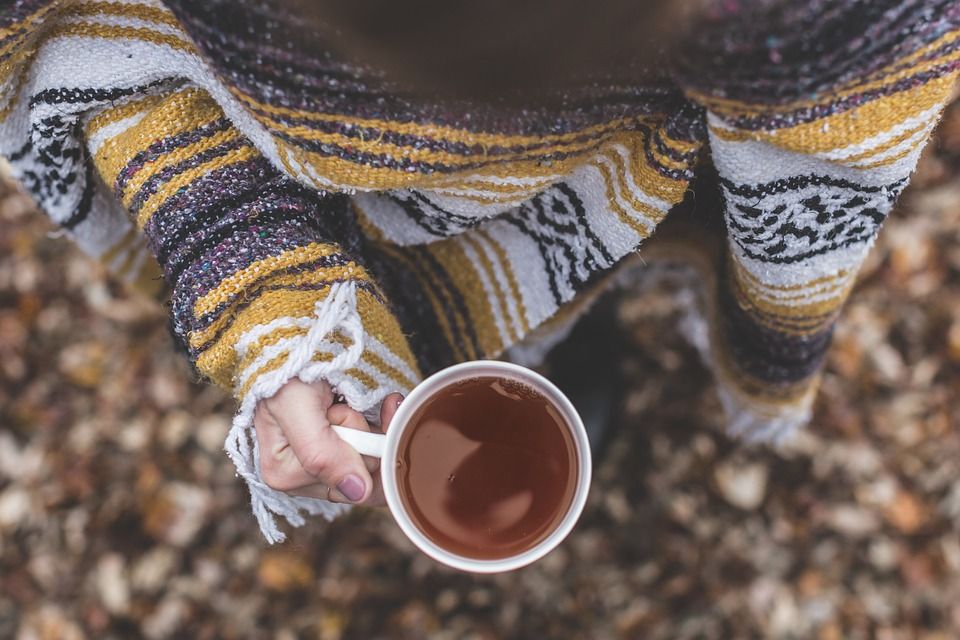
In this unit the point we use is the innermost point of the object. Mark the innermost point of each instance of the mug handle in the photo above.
(366, 443)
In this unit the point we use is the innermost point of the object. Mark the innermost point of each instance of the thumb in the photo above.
(343, 415)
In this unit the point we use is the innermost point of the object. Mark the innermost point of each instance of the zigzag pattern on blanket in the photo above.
(243, 246)
(261, 292)
(799, 226)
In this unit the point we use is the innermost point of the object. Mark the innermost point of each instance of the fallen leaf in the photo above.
(284, 571)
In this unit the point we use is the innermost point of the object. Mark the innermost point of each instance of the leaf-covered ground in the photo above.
(121, 517)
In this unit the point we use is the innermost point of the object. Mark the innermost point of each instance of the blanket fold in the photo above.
(308, 219)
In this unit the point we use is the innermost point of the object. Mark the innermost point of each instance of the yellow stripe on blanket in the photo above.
(178, 113)
(240, 280)
(852, 127)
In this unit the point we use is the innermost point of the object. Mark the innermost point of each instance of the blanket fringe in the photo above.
(338, 311)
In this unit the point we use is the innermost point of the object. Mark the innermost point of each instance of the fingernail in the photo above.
(399, 400)
(352, 488)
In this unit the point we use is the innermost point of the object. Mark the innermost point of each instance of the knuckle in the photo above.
(351, 418)
(324, 392)
(273, 480)
(265, 409)
(281, 394)
(317, 463)
(273, 477)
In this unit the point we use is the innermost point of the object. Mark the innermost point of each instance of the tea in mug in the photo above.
(487, 468)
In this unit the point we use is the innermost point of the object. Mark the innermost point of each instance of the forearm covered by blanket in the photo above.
(262, 289)
(263, 285)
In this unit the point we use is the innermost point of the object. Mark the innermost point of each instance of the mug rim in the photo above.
(426, 390)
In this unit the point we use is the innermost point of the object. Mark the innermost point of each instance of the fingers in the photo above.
(388, 409)
(343, 415)
(376, 499)
(301, 455)
(279, 466)
(329, 468)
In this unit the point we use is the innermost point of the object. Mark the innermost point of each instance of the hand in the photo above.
(301, 455)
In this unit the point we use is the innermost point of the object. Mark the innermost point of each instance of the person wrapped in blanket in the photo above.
(338, 199)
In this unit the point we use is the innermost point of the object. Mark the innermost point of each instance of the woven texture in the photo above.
(310, 219)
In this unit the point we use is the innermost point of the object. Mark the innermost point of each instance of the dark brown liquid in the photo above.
(487, 468)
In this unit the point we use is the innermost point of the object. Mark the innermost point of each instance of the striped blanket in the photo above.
(308, 218)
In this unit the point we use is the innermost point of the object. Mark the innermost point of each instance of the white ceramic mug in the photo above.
(385, 447)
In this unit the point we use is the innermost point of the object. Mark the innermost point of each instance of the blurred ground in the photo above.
(121, 517)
